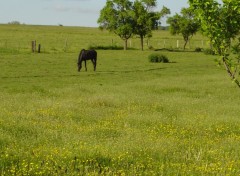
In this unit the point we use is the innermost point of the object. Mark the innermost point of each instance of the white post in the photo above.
(177, 43)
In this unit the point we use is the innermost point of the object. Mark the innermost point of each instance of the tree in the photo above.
(184, 24)
(14, 23)
(145, 20)
(220, 22)
(116, 17)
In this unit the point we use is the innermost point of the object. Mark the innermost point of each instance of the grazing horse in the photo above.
(85, 55)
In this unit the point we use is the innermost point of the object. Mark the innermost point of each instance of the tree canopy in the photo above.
(145, 19)
(184, 24)
(126, 18)
(116, 17)
(220, 22)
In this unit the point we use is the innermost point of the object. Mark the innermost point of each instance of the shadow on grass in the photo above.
(175, 50)
(79, 73)
(131, 71)
(110, 47)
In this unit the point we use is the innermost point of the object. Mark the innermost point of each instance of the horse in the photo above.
(85, 55)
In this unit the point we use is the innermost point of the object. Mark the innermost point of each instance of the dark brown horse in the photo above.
(85, 55)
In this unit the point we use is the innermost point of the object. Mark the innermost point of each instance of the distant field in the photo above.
(70, 39)
(130, 117)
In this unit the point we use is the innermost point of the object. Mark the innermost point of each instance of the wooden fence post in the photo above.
(39, 48)
(34, 46)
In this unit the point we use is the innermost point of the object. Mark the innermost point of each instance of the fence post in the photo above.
(39, 48)
(34, 46)
(177, 43)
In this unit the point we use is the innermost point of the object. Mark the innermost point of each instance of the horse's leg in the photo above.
(94, 61)
(79, 66)
(85, 65)
(95, 64)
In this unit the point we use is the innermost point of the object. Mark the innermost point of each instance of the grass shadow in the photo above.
(175, 50)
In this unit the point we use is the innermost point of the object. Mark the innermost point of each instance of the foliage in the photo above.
(14, 23)
(100, 47)
(155, 57)
(220, 22)
(145, 19)
(209, 51)
(116, 17)
(125, 18)
(184, 24)
(198, 49)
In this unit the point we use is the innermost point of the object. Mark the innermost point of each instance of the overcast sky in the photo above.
(65, 12)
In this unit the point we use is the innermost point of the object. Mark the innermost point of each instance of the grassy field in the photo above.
(130, 117)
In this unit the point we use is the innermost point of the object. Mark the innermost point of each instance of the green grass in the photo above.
(130, 117)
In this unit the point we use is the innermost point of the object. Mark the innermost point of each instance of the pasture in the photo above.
(130, 117)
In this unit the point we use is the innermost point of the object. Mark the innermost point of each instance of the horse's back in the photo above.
(91, 54)
(87, 54)
(94, 54)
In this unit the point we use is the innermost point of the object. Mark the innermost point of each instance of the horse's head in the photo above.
(80, 59)
(79, 66)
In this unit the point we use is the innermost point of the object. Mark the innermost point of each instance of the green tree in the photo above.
(145, 19)
(14, 22)
(116, 16)
(184, 24)
(220, 22)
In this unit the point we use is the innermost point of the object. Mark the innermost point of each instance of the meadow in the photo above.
(130, 117)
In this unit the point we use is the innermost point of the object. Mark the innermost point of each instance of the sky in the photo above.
(65, 12)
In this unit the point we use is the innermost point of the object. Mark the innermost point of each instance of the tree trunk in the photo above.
(125, 44)
(185, 44)
(141, 42)
(232, 75)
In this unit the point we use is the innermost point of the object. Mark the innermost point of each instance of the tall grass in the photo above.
(130, 117)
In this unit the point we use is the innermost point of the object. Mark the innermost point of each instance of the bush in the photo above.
(101, 47)
(198, 49)
(14, 23)
(158, 58)
(209, 52)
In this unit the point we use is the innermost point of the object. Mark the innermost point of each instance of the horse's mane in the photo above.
(81, 52)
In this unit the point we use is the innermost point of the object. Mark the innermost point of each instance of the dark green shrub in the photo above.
(198, 49)
(209, 51)
(101, 47)
(155, 57)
